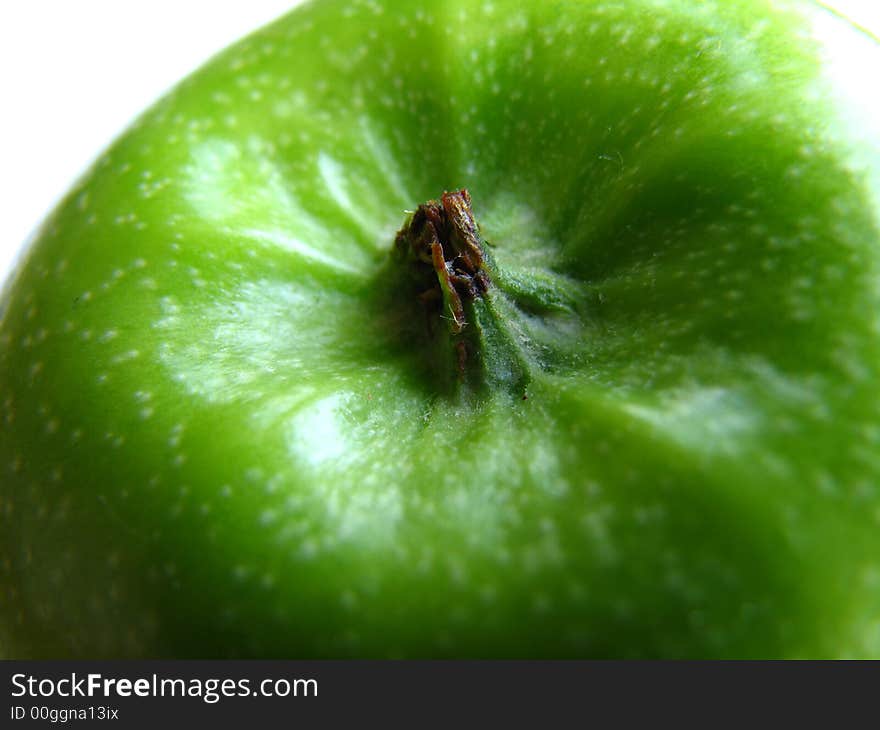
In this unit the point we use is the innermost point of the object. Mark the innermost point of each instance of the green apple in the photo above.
(271, 385)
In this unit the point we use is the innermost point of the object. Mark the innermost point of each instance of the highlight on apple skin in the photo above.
(462, 329)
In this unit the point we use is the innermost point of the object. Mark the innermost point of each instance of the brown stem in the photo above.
(441, 241)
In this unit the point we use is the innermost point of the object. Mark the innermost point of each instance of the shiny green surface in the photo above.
(220, 434)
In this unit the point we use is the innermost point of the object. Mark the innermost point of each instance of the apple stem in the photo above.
(442, 241)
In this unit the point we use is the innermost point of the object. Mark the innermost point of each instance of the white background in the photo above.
(73, 73)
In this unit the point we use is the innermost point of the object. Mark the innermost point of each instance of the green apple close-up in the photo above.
(462, 329)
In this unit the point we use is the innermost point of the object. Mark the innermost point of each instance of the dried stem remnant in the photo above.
(444, 236)
(444, 264)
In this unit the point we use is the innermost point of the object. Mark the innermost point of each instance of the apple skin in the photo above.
(221, 429)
